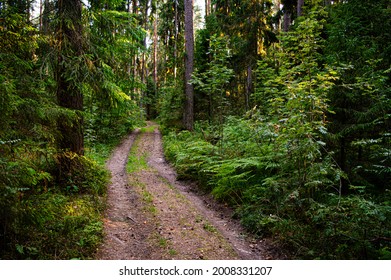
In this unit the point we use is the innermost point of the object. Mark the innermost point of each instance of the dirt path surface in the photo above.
(151, 215)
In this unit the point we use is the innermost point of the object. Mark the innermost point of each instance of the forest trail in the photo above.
(151, 215)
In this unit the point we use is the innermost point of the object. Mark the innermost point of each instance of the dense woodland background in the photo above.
(279, 108)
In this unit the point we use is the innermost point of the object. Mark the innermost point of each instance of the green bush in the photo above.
(40, 219)
(190, 155)
(307, 216)
(56, 226)
(83, 174)
(169, 105)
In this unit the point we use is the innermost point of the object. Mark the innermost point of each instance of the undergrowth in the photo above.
(57, 226)
(43, 218)
(254, 171)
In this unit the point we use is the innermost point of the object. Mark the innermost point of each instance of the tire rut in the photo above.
(123, 238)
(152, 215)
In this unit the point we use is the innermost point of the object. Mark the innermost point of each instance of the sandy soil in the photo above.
(152, 215)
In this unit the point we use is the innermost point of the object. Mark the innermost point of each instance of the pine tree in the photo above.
(69, 34)
(356, 43)
(188, 119)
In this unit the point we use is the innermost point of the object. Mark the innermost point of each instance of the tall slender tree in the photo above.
(208, 7)
(69, 35)
(300, 4)
(188, 119)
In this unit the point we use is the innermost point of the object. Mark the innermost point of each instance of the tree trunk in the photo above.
(188, 119)
(300, 4)
(143, 57)
(276, 10)
(40, 15)
(155, 42)
(342, 163)
(176, 26)
(208, 7)
(70, 43)
(249, 86)
(287, 21)
(45, 17)
(134, 6)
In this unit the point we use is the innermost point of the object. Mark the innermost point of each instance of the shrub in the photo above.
(83, 174)
(308, 215)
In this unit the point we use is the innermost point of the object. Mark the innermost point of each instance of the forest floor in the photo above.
(152, 215)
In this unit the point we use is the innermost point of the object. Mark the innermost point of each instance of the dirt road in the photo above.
(151, 215)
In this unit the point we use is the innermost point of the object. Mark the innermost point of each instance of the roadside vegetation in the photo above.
(284, 115)
(52, 197)
(306, 158)
(309, 218)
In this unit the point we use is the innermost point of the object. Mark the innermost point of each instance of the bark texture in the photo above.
(69, 96)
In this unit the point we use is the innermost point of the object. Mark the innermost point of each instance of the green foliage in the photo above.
(277, 166)
(214, 80)
(311, 220)
(99, 152)
(170, 87)
(112, 93)
(83, 174)
(190, 155)
(308, 165)
(55, 226)
(136, 162)
(336, 228)
(246, 40)
(361, 99)
(39, 220)
(295, 101)
(170, 105)
(27, 125)
(50, 201)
